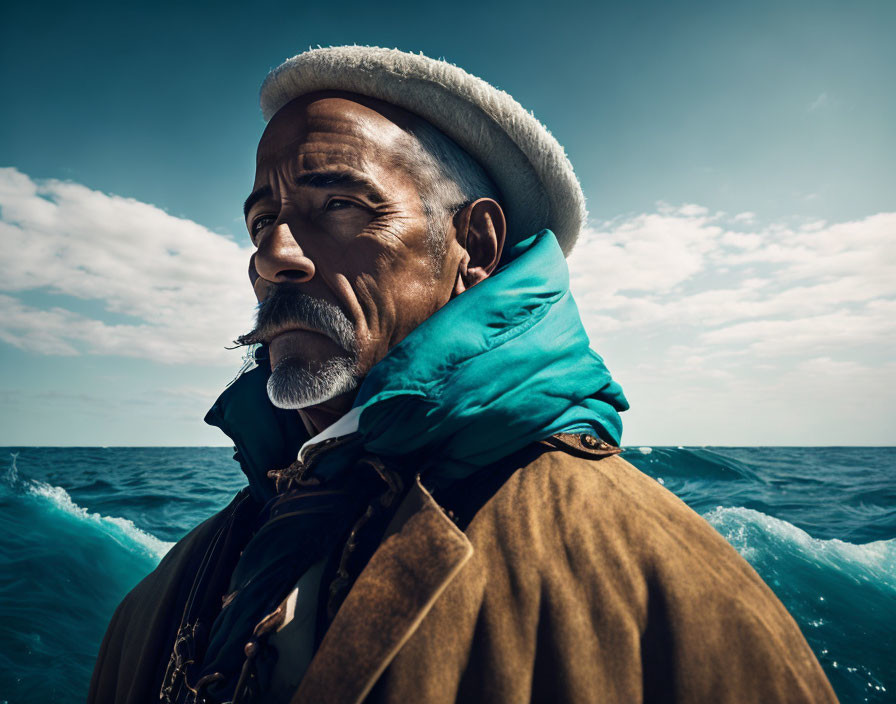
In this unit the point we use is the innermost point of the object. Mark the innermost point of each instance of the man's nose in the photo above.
(280, 259)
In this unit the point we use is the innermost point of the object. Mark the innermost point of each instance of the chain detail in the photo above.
(297, 473)
(176, 672)
(288, 477)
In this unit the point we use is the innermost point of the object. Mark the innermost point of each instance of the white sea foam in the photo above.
(645, 450)
(749, 530)
(122, 530)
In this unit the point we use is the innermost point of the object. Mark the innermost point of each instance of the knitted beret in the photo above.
(525, 161)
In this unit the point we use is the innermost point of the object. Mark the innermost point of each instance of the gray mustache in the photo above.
(285, 307)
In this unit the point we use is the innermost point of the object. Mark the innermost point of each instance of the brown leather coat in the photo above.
(576, 578)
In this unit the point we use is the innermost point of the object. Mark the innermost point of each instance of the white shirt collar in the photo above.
(346, 425)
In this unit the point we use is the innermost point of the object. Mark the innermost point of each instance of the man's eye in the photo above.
(261, 222)
(339, 204)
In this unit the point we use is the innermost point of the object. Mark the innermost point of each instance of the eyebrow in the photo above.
(257, 195)
(323, 179)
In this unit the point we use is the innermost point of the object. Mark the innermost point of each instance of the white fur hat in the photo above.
(524, 160)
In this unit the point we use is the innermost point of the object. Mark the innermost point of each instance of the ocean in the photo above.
(80, 526)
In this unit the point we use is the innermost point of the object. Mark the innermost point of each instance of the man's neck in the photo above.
(319, 418)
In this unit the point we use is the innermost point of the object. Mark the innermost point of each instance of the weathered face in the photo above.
(333, 220)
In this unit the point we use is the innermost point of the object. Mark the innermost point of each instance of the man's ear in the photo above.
(481, 230)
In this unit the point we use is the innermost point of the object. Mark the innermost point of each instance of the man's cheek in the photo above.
(253, 272)
(258, 284)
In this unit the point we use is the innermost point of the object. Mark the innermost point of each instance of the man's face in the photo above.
(342, 255)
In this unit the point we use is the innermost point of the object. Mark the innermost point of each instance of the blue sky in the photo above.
(737, 273)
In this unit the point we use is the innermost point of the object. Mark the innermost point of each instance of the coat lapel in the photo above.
(422, 552)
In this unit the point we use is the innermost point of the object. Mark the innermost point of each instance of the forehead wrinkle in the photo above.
(357, 124)
(330, 159)
(306, 147)
(309, 163)
(295, 164)
(361, 140)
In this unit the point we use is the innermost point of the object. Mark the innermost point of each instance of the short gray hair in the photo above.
(448, 178)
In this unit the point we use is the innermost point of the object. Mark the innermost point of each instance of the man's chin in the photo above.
(295, 383)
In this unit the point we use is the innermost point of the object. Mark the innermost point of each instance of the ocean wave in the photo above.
(122, 530)
(750, 531)
(841, 594)
(692, 463)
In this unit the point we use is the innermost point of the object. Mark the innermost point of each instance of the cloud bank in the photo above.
(765, 291)
(177, 291)
(718, 326)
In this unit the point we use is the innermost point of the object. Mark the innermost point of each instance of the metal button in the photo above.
(589, 441)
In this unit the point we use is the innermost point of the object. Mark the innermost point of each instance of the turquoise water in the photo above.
(80, 526)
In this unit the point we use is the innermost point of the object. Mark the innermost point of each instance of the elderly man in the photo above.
(435, 510)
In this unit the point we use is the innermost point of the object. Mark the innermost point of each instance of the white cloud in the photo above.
(184, 286)
(811, 335)
(723, 318)
(784, 288)
(648, 252)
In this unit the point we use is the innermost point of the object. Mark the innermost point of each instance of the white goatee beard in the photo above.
(294, 383)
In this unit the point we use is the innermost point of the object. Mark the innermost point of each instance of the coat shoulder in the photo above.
(613, 524)
(617, 504)
(596, 541)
